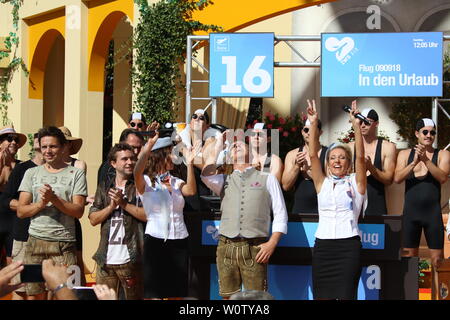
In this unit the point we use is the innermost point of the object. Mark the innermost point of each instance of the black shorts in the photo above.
(432, 225)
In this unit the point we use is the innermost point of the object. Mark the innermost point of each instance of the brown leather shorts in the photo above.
(237, 266)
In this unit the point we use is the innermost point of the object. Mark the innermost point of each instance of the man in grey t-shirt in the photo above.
(53, 195)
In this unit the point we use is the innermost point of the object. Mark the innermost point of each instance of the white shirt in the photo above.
(117, 249)
(164, 212)
(280, 218)
(339, 208)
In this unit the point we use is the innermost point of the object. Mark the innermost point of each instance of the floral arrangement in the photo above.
(349, 136)
(289, 130)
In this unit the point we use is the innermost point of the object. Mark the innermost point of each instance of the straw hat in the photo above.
(75, 143)
(10, 129)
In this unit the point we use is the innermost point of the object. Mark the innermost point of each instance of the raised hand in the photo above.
(191, 152)
(153, 126)
(355, 121)
(311, 111)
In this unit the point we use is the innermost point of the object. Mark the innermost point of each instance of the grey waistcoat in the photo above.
(246, 205)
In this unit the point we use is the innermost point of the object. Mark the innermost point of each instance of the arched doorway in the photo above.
(53, 102)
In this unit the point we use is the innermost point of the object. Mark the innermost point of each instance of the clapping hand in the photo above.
(46, 193)
(116, 197)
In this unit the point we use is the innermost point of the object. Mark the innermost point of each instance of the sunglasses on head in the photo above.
(134, 124)
(432, 132)
(11, 138)
(195, 116)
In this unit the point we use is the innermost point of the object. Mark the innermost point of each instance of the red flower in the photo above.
(272, 117)
(294, 129)
(255, 121)
(346, 140)
(268, 114)
(285, 134)
(351, 135)
(281, 120)
(269, 126)
(280, 129)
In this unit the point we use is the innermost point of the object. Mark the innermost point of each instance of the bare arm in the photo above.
(97, 217)
(276, 167)
(385, 176)
(135, 211)
(402, 170)
(141, 163)
(190, 187)
(74, 209)
(317, 174)
(291, 170)
(360, 161)
(26, 208)
(441, 171)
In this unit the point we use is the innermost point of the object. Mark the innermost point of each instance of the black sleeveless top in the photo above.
(376, 199)
(422, 196)
(305, 196)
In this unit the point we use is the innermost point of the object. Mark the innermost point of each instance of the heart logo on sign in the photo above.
(342, 47)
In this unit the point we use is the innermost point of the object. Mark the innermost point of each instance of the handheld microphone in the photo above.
(358, 115)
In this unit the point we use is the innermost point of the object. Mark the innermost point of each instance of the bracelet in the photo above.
(59, 287)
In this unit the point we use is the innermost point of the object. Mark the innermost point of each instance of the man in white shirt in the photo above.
(119, 256)
(248, 197)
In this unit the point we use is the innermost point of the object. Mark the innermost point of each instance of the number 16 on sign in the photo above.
(241, 65)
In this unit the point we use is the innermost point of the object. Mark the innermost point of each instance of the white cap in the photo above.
(136, 115)
(162, 143)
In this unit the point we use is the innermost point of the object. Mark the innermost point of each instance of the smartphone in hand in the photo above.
(31, 273)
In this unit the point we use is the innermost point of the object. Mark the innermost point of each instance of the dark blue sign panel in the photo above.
(301, 234)
(241, 64)
(382, 64)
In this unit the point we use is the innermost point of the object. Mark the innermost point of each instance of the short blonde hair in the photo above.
(348, 154)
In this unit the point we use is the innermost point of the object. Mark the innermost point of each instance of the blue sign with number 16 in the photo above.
(241, 65)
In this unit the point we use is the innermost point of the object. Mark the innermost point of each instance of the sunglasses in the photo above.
(195, 116)
(134, 124)
(432, 132)
(11, 138)
(305, 130)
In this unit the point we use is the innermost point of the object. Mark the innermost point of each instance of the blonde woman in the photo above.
(341, 195)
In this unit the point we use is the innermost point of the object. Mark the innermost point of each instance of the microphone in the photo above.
(358, 115)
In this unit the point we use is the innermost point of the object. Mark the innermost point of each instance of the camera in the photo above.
(165, 131)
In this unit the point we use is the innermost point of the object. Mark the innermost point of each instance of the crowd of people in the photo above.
(149, 180)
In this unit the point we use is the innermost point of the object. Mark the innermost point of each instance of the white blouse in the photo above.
(164, 210)
(339, 207)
